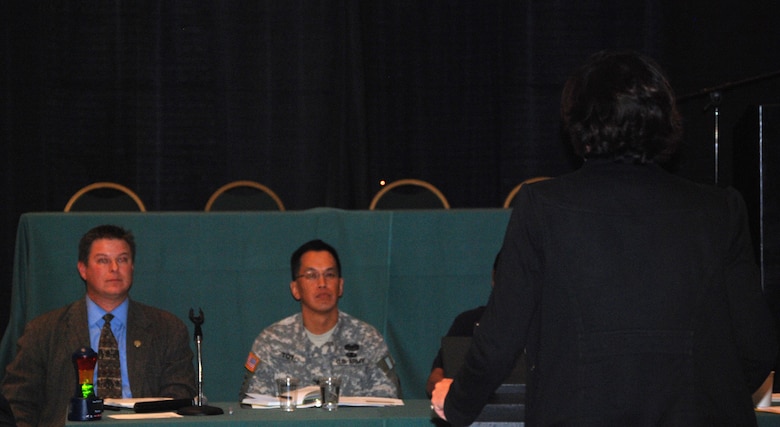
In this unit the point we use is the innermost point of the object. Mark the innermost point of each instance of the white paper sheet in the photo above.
(148, 415)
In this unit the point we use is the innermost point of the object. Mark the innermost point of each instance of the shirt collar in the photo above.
(95, 313)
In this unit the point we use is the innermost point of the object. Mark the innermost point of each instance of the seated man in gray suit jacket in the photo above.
(155, 358)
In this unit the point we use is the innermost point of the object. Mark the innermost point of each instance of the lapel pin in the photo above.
(137, 343)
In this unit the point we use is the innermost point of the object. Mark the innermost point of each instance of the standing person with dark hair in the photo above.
(321, 340)
(634, 292)
(150, 355)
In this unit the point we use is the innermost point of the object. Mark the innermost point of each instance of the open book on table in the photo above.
(309, 396)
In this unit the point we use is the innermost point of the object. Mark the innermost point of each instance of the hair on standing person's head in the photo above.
(620, 106)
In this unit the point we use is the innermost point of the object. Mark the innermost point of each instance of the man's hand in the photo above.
(439, 395)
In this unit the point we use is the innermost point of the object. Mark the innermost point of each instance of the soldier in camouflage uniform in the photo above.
(320, 340)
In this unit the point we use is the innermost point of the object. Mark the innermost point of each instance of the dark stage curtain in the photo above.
(319, 100)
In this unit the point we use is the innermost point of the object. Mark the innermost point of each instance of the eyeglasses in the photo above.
(314, 275)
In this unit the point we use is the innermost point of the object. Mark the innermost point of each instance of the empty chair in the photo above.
(513, 193)
(244, 196)
(409, 194)
(105, 196)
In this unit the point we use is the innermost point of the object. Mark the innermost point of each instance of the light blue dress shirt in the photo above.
(119, 328)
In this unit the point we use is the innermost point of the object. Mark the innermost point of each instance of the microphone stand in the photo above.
(716, 94)
(200, 409)
(715, 98)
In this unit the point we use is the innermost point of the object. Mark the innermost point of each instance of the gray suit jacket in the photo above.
(41, 379)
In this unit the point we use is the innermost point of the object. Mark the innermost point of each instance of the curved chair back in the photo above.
(513, 193)
(244, 196)
(409, 194)
(105, 197)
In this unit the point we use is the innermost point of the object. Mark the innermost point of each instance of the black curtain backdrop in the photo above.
(320, 100)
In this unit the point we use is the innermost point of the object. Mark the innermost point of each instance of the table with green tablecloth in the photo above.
(408, 273)
(415, 412)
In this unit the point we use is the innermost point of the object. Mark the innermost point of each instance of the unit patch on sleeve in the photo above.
(251, 362)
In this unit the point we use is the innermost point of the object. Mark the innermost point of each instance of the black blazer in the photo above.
(638, 298)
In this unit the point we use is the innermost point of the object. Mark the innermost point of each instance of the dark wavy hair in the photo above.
(620, 106)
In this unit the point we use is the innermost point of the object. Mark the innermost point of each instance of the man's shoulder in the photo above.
(59, 314)
(283, 326)
(282, 333)
(290, 320)
(351, 323)
(346, 317)
(151, 313)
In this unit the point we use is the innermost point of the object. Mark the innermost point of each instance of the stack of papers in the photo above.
(147, 416)
(309, 397)
(130, 404)
(369, 401)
